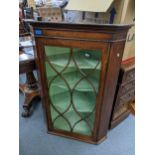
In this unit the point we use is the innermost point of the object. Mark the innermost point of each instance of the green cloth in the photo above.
(73, 92)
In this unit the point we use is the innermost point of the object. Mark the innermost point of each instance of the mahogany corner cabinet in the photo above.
(78, 67)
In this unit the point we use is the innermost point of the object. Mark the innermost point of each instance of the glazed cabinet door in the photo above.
(72, 78)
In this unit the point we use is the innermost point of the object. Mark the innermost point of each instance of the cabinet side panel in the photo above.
(115, 59)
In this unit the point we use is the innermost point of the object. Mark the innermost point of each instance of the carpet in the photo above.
(34, 140)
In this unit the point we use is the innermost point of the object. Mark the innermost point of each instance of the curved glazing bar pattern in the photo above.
(73, 78)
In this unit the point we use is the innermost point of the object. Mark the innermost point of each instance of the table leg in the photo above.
(31, 91)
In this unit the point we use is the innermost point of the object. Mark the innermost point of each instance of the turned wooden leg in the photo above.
(30, 90)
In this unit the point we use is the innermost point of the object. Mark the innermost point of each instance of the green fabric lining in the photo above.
(83, 95)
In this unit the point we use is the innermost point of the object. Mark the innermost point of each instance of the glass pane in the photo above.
(73, 78)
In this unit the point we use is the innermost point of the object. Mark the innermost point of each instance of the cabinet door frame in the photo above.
(40, 59)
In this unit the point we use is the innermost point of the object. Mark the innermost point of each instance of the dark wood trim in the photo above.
(85, 40)
(77, 137)
(112, 28)
(102, 81)
(110, 86)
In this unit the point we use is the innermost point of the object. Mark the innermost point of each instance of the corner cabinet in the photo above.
(78, 68)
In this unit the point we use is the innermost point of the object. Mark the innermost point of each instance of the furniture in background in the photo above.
(78, 67)
(27, 12)
(125, 92)
(24, 3)
(52, 14)
(27, 65)
(132, 107)
(22, 29)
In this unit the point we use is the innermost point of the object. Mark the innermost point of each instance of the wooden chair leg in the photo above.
(31, 91)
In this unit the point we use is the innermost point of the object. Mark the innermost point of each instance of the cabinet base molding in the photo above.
(118, 120)
(76, 137)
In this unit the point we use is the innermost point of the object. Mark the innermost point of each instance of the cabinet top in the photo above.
(79, 26)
